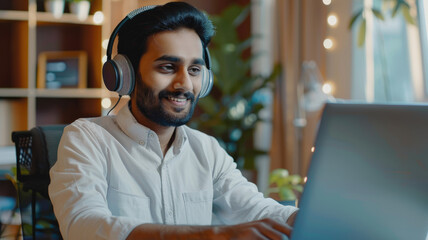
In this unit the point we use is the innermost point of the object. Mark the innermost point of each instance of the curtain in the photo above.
(300, 32)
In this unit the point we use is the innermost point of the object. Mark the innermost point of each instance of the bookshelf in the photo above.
(27, 30)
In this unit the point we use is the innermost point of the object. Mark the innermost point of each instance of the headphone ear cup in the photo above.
(207, 82)
(207, 78)
(119, 75)
(111, 75)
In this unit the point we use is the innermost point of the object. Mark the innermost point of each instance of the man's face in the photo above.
(169, 77)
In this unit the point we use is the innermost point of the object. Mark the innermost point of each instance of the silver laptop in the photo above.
(368, 177)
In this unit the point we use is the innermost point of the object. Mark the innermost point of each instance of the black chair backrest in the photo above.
(36, 153)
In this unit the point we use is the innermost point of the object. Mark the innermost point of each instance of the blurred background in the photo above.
(276, 62)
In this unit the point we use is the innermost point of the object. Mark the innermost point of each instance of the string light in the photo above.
(328, 88)
(98, 17)
(332, 20)
(326, 2)
(328, 43)
(106, 103)
(104, 44)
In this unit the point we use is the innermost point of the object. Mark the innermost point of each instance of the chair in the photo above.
(36, 152)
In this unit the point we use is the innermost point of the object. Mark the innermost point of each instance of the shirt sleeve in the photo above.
(79, 185)
(237, 200)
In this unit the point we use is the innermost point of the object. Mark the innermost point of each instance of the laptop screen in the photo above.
(368, 177)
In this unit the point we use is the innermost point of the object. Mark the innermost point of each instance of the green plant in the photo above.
(231, 111)
(397, 5)
(392, 7)
(285, 185)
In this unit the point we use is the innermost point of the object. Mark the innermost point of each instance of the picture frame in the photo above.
(62, 69)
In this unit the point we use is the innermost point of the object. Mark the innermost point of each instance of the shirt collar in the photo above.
(141, 134)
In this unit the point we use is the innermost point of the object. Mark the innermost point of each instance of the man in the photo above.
(143, 174)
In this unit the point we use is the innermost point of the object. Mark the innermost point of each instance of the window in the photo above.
(423, 23)
(391, 66)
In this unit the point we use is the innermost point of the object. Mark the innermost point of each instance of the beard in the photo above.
(153, 108)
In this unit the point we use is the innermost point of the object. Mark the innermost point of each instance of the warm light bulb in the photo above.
(106, 103)
(326, 2)
(327, 88)
(332, 20)
(328, 43)
(305, 179)
(313, 149)
(98, 17)
(104, 44)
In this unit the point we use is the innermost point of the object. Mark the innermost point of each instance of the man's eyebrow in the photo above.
(199, 61)
(169, 58)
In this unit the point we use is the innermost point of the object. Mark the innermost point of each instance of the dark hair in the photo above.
(171, 16)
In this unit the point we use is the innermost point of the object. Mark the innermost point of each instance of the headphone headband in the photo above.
(130, 16)
(118, 73)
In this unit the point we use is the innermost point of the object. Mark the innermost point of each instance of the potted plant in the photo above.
(230, 112)
(284, 187)
(56, 7)
(80, 8)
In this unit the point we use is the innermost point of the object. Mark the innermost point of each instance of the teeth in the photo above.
(177, 99)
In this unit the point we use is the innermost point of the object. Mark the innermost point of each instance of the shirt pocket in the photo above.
(129, 205)
(198, 207)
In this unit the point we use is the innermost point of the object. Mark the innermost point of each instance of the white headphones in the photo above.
(119, 75)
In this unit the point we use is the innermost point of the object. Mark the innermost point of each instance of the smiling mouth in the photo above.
(179, 100)
(177, 103)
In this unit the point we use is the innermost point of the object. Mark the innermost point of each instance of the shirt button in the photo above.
(141, 142)
(170, 212)
(151, 135)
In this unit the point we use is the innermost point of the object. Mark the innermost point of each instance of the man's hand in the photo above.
(292, 218)
(262, 229)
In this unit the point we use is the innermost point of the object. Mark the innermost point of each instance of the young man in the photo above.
(143, 174)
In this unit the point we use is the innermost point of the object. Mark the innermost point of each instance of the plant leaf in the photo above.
(362, 34)
(407, 16)
(354, 18)
(396, 8)
(295, 179)
(242, 16)
(298, 188)
(277, 174)
(286, 194)
(378, 14)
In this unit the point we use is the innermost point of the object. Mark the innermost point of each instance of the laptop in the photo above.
(368, 177)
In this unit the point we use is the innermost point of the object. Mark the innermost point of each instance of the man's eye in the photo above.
(167, 68)
(194, 71)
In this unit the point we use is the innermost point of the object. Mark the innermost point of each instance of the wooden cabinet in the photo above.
(28, 30)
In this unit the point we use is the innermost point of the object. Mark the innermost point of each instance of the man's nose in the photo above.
(182, 81)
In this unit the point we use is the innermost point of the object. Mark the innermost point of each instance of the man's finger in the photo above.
(283, 228)
(270, 231)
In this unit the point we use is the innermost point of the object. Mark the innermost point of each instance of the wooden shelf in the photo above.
(13, 92)
(13, 15)
(72, 93)
(65, 18)
(26, 32)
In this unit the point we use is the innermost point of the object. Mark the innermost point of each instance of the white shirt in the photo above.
(111, 176)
